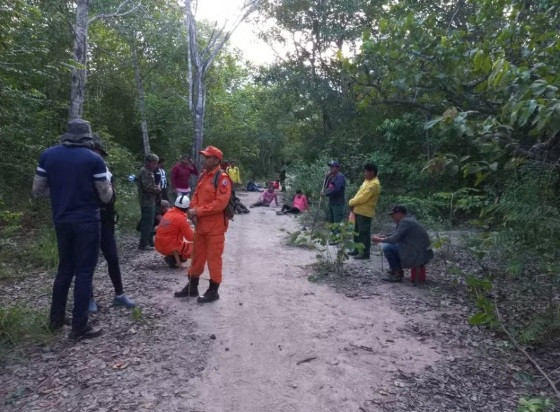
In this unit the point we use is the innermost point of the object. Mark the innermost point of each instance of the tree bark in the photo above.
(199, 62)
(80, 49)
(141, 96)
(196, 85)
(79, 74)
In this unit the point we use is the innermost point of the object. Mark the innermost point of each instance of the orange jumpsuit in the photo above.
(211, 224)
(174, 234)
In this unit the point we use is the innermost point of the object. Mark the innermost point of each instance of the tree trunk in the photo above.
(198, 114)
(196, 85)
(141, 96)
(79, 75)
(199, 62)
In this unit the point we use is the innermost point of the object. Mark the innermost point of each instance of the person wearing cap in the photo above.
(407, 246)
(108, 242)
(363, 205)
(174, 233)
(75, 179)
(181, 174)
(335, 186)
(148, 192)
(207, 211)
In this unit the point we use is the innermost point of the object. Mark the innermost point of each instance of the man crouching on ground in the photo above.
(407, 247)
(207, 212)
(174, 233)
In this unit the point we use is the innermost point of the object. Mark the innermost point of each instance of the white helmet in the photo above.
(182, 201)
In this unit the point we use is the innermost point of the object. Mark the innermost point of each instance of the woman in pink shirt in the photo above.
(299, 204)
(267, 197)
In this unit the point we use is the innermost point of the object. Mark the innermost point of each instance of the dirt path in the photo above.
(271, 320)
(274, 341)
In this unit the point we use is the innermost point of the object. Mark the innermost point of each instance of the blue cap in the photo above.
(334, 163)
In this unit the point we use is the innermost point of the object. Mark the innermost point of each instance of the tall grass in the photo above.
(45, 251)
(20, 325)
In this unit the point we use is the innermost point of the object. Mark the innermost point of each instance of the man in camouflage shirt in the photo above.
(147, 193)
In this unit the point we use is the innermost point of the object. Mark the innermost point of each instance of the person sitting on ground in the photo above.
(252, 187)
(240, 208)
(407, 246)
(174, 234)
(299, 204)
(267, 197)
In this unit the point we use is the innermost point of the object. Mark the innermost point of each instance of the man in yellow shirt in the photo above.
(234, 174)
(363, 205)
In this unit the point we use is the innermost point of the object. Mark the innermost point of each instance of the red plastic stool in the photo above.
(418, 274)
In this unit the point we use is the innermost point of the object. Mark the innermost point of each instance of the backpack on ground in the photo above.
(229, 211)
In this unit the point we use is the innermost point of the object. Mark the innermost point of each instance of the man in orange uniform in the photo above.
(207, 212)
(174, 234)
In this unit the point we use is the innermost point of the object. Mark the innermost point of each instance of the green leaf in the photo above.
(480, 318)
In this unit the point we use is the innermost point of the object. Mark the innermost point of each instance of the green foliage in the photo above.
(486, 312)
(137, 315)
(535, 405)
(10, 222)
(20, 325)
(127, 206)
(300, 239)
(45, 251)
(342, 236)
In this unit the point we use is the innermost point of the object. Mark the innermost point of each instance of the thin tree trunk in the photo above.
(199, 62)
(79, 75)
(141, 97)
(199, 113)
(195, 78)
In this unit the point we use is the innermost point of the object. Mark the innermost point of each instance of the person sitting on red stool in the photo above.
(408, 246)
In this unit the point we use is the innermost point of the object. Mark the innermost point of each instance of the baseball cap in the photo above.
(152, 157)
(212, 151)
(398, 209)
(334, 163)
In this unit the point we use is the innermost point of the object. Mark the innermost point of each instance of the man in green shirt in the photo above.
(147, 193)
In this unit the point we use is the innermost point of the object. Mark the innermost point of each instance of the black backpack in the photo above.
(229, 211)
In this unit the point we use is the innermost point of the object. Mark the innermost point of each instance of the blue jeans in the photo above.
(78, 250)
(391, 252)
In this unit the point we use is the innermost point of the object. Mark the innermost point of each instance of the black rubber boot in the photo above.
(191, 289)
(211, 294)
(170, 260)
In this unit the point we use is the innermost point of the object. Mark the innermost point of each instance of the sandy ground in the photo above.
(286, 344)
(273, 342)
